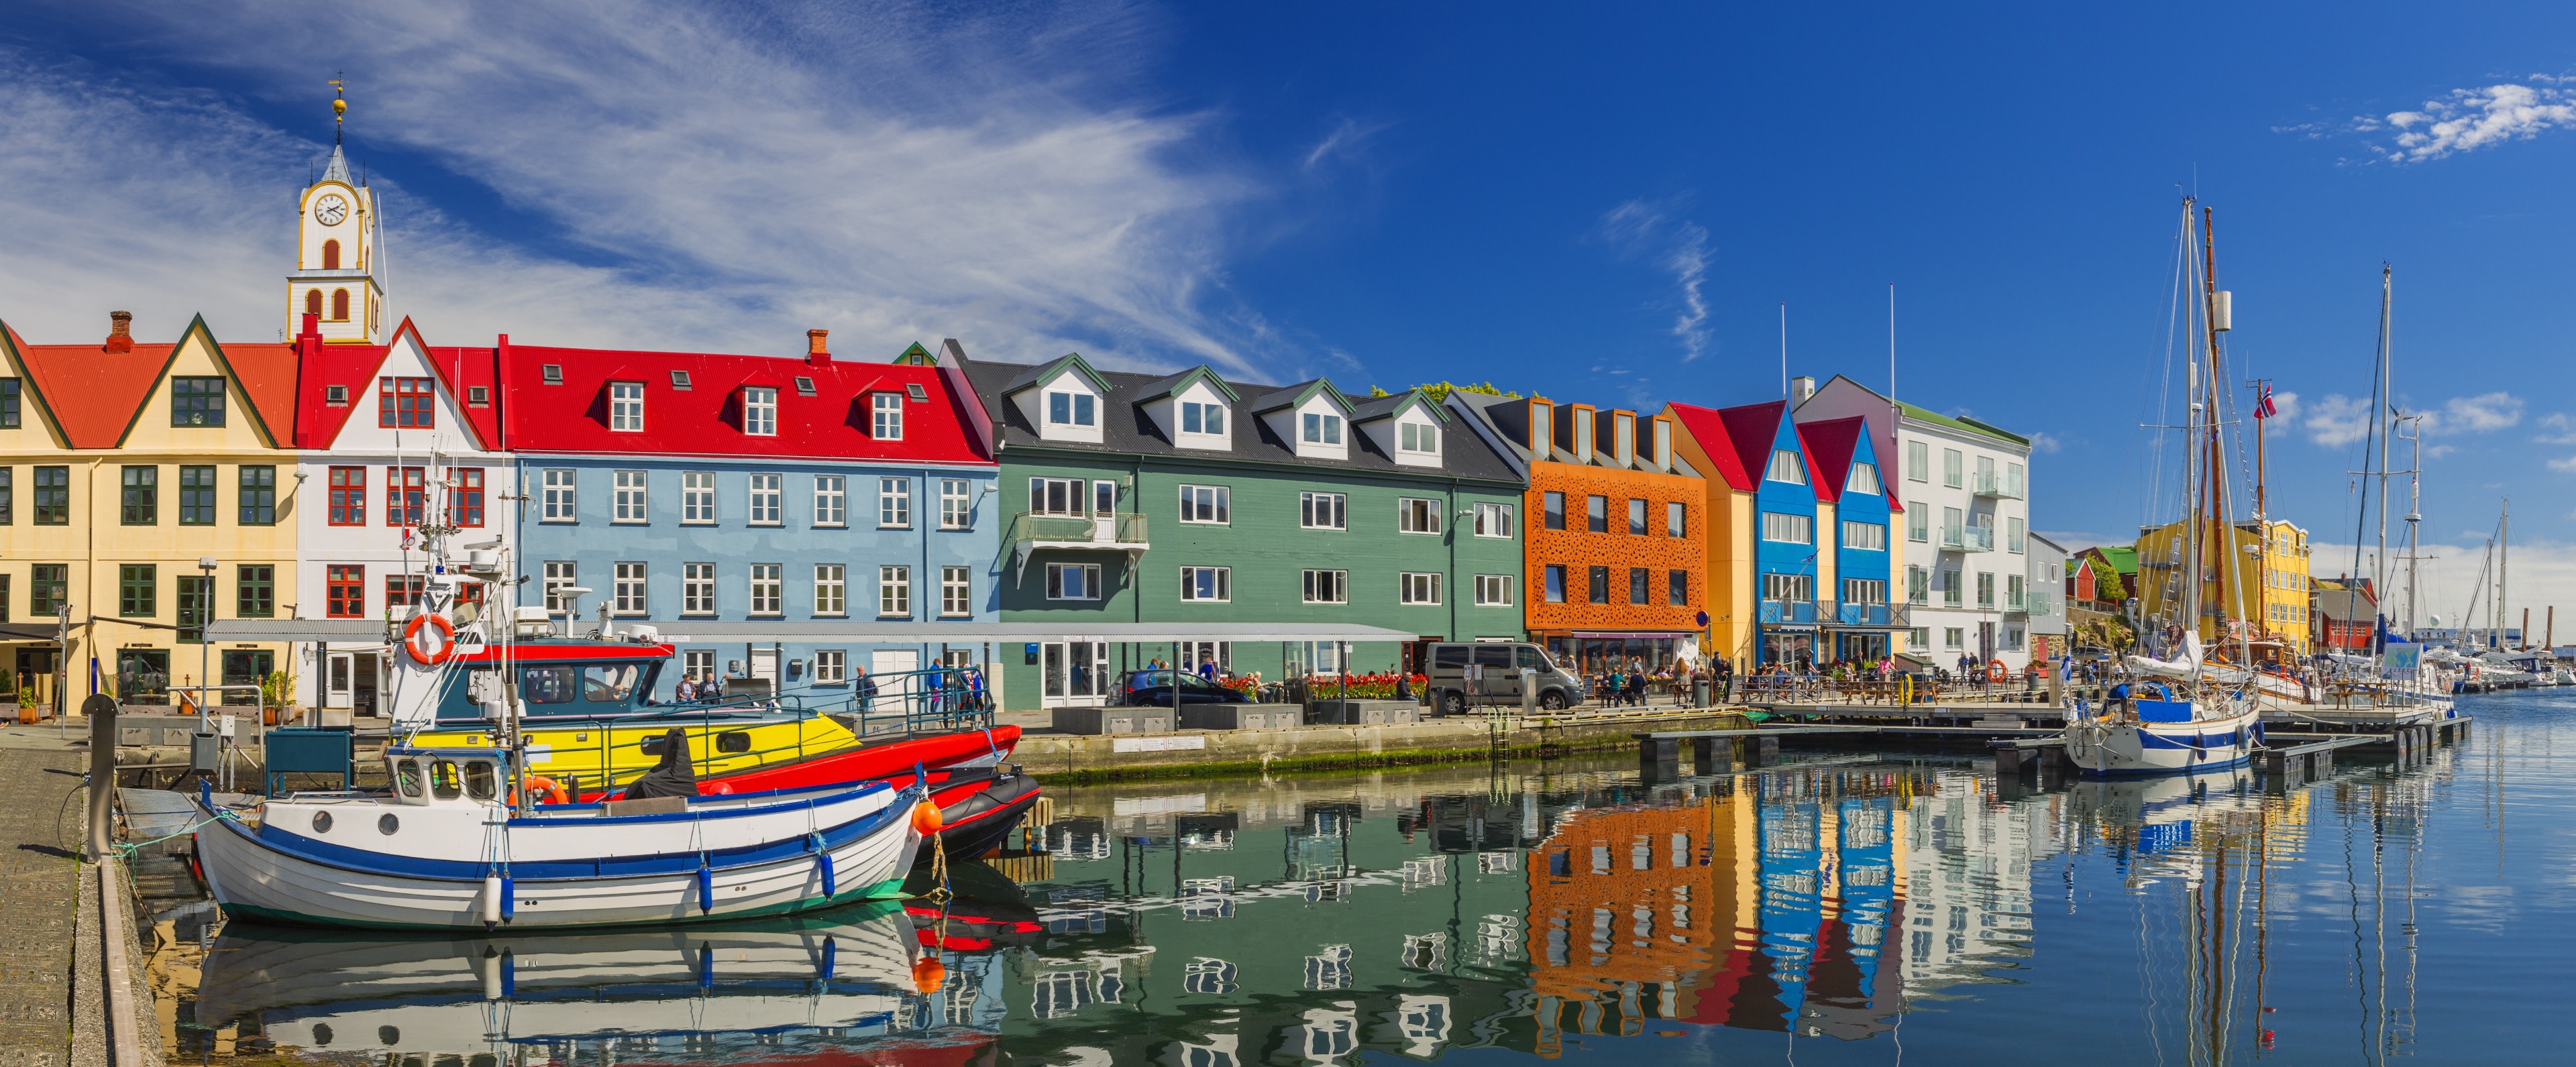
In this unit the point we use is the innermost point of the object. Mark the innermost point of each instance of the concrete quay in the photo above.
(1086, 757)
(58, 946)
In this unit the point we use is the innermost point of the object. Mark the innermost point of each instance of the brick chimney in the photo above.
(120, 331)
(815, 351)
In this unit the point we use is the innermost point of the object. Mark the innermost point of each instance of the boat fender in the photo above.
(509, 900)
(926, 819)
(488, 968)
(706, 967)
(831, 956)
(823, 856)
(928, 974)
(509, 975)
(491, 901)
(706, 888)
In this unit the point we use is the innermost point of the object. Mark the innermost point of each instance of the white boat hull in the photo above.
(269, 873)
(2107, 747)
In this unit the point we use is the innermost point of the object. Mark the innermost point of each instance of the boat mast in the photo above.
(2414, 515)
(2384, 416)
(2196, 495)
(2504, 559)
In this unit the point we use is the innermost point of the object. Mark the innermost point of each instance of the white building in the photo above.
(1966, 488)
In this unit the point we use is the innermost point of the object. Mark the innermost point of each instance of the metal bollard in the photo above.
(101, 709)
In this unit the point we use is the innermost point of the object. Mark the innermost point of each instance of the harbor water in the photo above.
(1843, 906)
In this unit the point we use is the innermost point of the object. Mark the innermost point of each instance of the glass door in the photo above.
(1075, 674)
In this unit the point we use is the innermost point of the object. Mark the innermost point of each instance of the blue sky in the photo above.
(1603, 204)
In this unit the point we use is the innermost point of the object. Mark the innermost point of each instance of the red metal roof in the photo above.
(1710, 430)
(95, 394)
(1829, 446)
(706, 418)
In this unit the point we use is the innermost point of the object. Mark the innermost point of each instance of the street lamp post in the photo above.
(205, 646)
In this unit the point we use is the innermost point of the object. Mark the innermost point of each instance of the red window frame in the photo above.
(345, 590)
(404, 404)
(348, 496)
(406, 496)
(469, 593)
(465, 497)
(405, 590)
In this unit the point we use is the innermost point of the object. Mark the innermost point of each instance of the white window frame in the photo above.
(760, 410)
(697, 498)
(885, 416)
(1864, 591)
(1339, 504)
(768, 592)
(1863, 479)
(956, 592)
(1866, 536)
(1080, 408)
(831, 589)
(1413, 437)
(1494, 590)
(1676, 519)
(1786, 466)
(1783, 527)
(831, 500)
(831, 666)
(894, 591)
(1954, 638)
(632, 497)
(1206, 505)
(1210, 418)
(1419, 515)
(956, 504)
(1918, 589)
(1326, 587)
(1420, 588)
(1918, 468)
(697, 589)
(560, 573)
(1216, 582)
(627, 588)
(626, 407)
(1320, 428)
(2013, 531)
(894, 503)
(768, 499)
(561, 487)
(1086, 575)
(1494, 520)
(1953, 467)
(1918, 521)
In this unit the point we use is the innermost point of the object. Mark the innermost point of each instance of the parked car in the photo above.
(1453, 693)
(1154, 689)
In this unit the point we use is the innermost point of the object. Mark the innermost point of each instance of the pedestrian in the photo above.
(866, 688)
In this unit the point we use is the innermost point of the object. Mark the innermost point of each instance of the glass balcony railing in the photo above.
(1105, 531)
(1995, 486)
(1979, 538)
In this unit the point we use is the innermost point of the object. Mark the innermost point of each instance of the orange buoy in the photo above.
(928, 974)
(549, 791)
(926, 818)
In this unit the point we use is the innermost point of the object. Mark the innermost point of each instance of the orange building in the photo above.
(1613, 528)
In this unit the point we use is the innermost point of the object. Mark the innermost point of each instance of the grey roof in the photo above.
(1379, 407)
(1127, 430)
(1272, 399)
(1478, 407)
(337, 170)
(1166, 386)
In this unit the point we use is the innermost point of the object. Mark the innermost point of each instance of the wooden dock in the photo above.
(2287, 757)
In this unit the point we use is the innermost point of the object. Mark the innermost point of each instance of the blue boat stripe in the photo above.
(718, 813)
(345, 858)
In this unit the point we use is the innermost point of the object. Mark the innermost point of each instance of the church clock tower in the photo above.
(336, 248)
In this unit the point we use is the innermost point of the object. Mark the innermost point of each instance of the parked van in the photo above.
(1454, 694)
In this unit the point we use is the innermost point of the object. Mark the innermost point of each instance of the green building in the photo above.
(1236, 513)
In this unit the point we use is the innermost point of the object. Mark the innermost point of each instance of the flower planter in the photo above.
(28, 714)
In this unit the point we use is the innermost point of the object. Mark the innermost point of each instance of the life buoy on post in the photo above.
(429, 639)
(1995, 671)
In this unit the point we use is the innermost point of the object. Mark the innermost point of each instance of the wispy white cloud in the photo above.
(1345, 139)
(2474, 414)
(2285, 407)
(2044, 442)
(1679, 246)
(2566, 466)
(2464, 120)
(2561, 432)
(677, 176)
(2339, 420)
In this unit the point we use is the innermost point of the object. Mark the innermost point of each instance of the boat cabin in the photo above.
(558, 680)
(423, 778)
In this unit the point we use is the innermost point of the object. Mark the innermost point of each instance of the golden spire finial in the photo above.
(339, 109)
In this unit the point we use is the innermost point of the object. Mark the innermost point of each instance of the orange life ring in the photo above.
(439, 644)
(1995, 671)
(549, 790)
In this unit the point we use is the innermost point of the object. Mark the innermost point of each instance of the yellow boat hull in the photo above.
(596, 756)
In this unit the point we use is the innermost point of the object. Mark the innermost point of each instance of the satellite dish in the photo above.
(2434, 621)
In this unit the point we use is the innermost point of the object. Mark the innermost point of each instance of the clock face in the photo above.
(330, 210)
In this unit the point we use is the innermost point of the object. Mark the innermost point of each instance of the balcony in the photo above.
(1994, 486)
(1967, 539)
(1031, 531)
(1791, 612)
(1850, 614)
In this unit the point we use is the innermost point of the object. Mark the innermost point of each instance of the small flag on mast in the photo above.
(2263, 407)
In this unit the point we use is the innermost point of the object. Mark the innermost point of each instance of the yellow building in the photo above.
(2266, 580)
(124, 468)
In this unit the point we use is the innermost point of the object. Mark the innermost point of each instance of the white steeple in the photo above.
(336, 277)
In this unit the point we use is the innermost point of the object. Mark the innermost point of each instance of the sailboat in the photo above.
(460, 841)
(2190, 720)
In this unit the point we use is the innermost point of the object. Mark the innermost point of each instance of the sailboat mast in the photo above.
(2414, 515)
(2194, 515)
(2379, 563)
(2504, 560)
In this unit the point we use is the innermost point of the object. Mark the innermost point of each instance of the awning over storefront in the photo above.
(28, 631)
(1674, 634)
(891, 633)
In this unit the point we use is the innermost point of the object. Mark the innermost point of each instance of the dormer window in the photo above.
(1786, 467)
(1321, 429)
(626, 407)
(886, 416)
(680, 380)
(1203, 418)
(1864, 479)
(336, 395)
(196, 401)
(554, 373)
(760, 411)
(804, 385)
(404, 403)
(478, 396)
(1071, 409)
(918, 394)
(1418, 437)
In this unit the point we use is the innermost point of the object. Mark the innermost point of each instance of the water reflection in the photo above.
(1836, 906)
